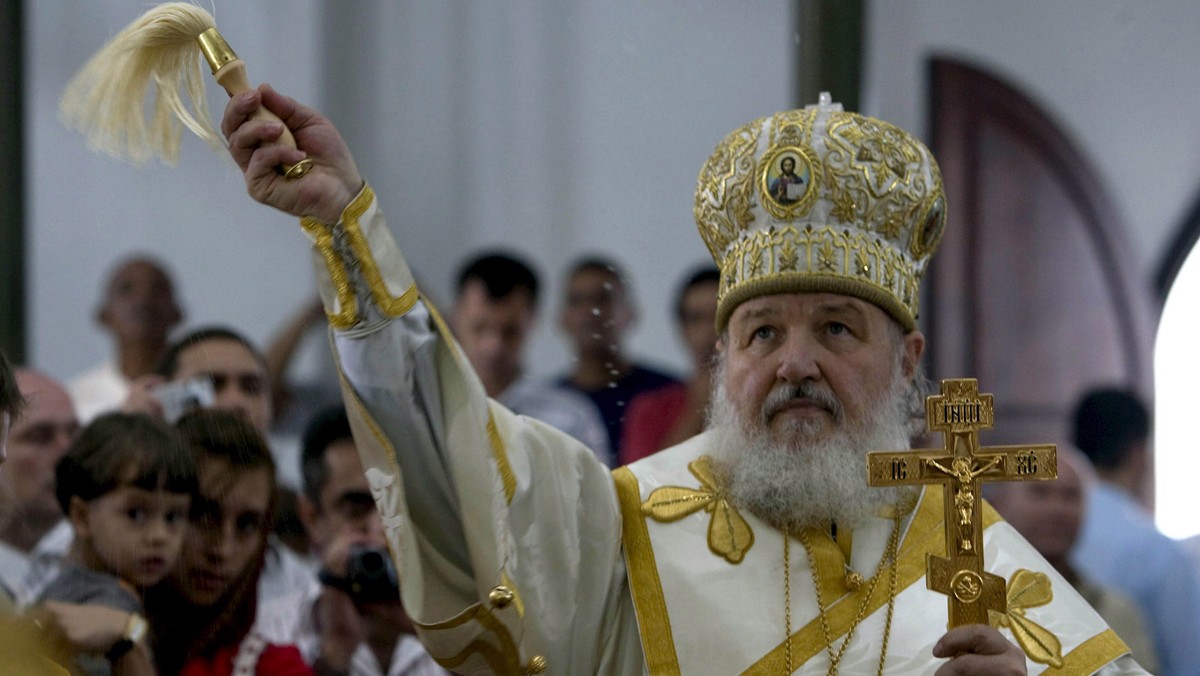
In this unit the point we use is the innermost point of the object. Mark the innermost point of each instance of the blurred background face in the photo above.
(346, 505)
(596, 313)
(493, 331)
(227, 532)
(140, 303)
(697, 322)
(1047, 513)
(38, 439)
(239, 378)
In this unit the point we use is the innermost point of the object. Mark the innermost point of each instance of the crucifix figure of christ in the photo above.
(959, 412)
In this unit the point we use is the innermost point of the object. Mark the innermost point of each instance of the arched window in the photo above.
(1176, 374)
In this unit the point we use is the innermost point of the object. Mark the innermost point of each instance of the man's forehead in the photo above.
(475, 297)
(219, 355)
(139, 269)
(345, 468)
(598, 278)
(44, 397)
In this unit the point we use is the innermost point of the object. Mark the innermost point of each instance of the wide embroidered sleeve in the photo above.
(506, 532)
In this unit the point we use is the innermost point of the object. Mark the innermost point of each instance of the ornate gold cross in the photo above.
(959, 412)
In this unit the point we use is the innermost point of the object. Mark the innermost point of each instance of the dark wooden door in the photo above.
(1033, 291)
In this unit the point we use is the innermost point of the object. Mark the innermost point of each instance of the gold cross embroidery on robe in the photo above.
(729, 535)
(1028, 589)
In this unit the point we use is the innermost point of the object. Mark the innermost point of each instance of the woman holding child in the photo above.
(202, 616)
(199, 575)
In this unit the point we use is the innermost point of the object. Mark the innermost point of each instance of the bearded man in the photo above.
(754, 547)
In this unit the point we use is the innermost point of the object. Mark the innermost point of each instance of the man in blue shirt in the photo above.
(1119, 545)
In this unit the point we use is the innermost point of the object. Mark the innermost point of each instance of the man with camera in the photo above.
(357, 624)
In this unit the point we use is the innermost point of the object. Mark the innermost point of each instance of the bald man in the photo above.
(138, 310)
(37, 440)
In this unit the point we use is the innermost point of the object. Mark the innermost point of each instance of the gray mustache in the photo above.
(781, 395)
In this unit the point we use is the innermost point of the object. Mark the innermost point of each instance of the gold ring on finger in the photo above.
(298, 169)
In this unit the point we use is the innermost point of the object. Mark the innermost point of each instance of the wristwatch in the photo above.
(135, 630)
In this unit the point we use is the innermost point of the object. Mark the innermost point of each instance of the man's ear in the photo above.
(103, 317)
(77, 512)
(914, 347)
(308, 514)
(176, 315)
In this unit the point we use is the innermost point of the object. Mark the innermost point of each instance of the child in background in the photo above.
(126, 485)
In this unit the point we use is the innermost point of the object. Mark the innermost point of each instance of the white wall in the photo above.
(549, 128)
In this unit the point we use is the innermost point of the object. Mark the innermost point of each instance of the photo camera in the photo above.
(370, 576)
(180, 397)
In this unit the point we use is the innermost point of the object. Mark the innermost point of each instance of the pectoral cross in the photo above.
(959, 412)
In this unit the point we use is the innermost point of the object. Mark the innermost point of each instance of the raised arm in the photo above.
(506, 532)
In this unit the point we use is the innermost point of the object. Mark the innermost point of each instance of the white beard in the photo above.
(799, 481)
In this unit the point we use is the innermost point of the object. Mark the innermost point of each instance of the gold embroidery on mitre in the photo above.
(821, 170)
(729, 536)
(829, 259)
(723, 207)
(1027, 589)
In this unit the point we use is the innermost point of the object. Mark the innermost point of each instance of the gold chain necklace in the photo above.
(835, 658)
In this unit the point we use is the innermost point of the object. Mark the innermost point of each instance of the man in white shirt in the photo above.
(138, 310)
(495, 311)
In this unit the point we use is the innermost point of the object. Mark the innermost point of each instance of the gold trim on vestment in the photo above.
(494, 658)
(501, 456)
(1089, 656)
(499, 453)
(925, 534)
(392, 306)
(654, 624)
(380, 438)
(322, 233)
(505, 660)
(322, 236)
(518, 602)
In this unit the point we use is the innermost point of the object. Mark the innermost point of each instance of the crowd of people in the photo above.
(154, 484)
(188, 508)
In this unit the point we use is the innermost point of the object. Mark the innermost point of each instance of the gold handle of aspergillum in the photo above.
(230, 72)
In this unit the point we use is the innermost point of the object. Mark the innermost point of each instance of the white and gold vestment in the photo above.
(519, 553)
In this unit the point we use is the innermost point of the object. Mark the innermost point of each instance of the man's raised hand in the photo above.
(321, 194)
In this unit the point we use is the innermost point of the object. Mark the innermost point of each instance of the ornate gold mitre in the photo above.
(821, 200)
